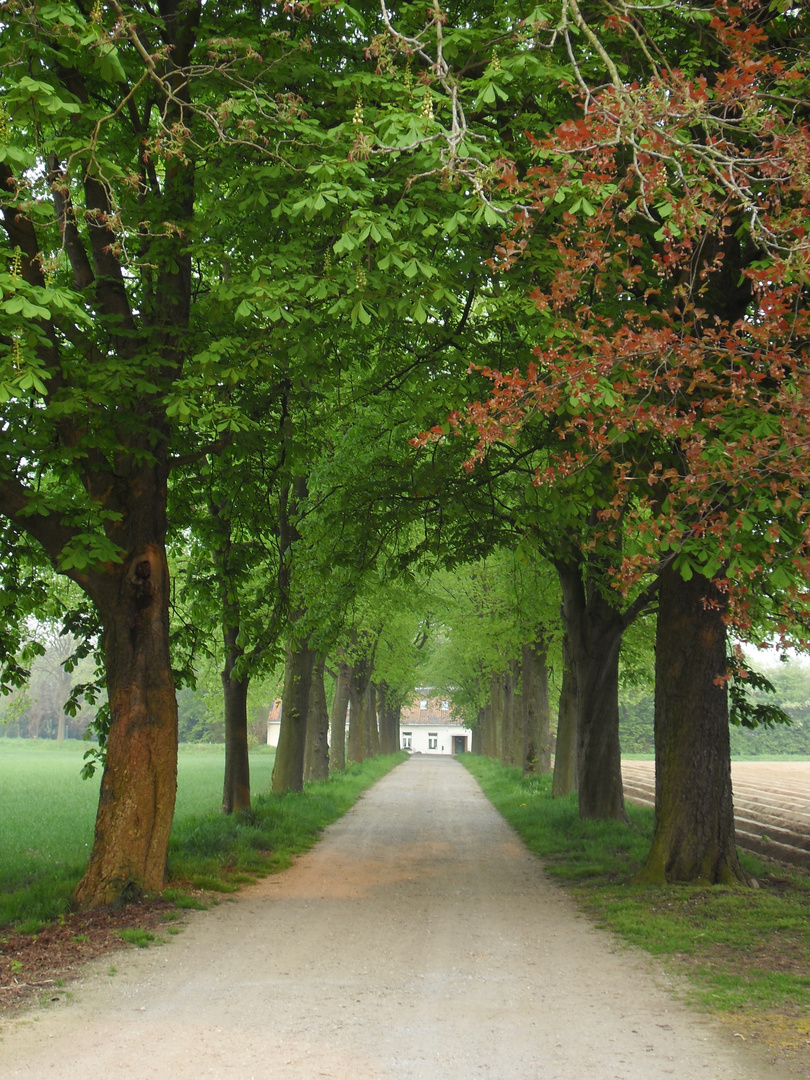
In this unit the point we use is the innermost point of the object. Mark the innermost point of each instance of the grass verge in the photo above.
(43, 855)
(746, 952)
(219, 853)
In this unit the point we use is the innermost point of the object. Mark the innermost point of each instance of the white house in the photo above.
(426, 727)
(274, 723)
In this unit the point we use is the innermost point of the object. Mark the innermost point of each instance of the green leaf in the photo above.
(359, 314)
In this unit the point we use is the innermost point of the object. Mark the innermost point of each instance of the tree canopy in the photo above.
(248, 253)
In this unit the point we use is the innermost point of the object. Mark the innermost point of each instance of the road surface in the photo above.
(418, 939)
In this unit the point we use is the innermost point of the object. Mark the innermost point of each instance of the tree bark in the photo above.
(595, 629)
(236, 786)
(371, 730)
(389, 720)
(139, 782)
(236, 782)
(479, 732)
(288, 771)
(340, 704)
(316, 751)
(694, 839)
(515, 715)
(565, 754)
(496, 700)
(358, 712)
(536, 749)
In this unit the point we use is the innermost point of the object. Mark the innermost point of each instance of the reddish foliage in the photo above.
(676, 319)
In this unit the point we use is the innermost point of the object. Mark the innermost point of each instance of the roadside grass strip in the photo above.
(48, 814)
(218, 853)
(744, 951)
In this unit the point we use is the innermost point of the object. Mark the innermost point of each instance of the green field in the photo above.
(47, 812)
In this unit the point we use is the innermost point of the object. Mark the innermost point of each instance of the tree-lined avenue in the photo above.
(419, 939)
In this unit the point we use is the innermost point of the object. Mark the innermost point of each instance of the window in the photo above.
(445, 706)
(406, 740)
(433, 740)
(423, 704)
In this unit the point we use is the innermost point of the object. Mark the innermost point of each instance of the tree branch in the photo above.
(83, 275)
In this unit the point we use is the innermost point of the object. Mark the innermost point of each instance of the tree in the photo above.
(103, 329)
(92, 345)
(672, 358)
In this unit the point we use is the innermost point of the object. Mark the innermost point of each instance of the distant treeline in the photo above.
(791, 683)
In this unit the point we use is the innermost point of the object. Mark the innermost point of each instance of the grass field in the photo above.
(47, 814)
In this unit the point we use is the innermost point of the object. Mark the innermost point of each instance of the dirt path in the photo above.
(418, 940)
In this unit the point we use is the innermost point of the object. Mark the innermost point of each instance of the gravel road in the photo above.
(419, 939)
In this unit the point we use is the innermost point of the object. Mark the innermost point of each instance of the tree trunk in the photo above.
(389, 720)
(358, 712)
(236, 784)
(595, 631)
(340, 704)
(479, 732)
(694, 839)
(565, 754)
(536, 750)
(495, 740)
(316, 752)
(139, 782)
(371, 731)
(514, 746)
(236, 787)
(288, 771)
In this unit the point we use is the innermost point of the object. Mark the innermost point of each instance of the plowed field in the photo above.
(771, 804)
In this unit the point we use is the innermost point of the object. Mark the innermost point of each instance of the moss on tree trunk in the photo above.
(594, 628)
(340, 705)
(288, 771)
(565, 752)
(316, 751)
(694, 839)
(236, 786)
(536, 739)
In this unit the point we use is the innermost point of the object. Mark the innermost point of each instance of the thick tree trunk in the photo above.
(340, 704)
(694, 838)
(288, 771)
(236, 783)
(595, 631)
(496, 701)
(479, 732)
(139, 783)
(515, 714)
(316, 752)
(236, 787)
(565, 754)
(536, 749)
(358, 712)
(389, 720)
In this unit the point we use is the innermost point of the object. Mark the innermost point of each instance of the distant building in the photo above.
(427, 727)
(274, 723)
